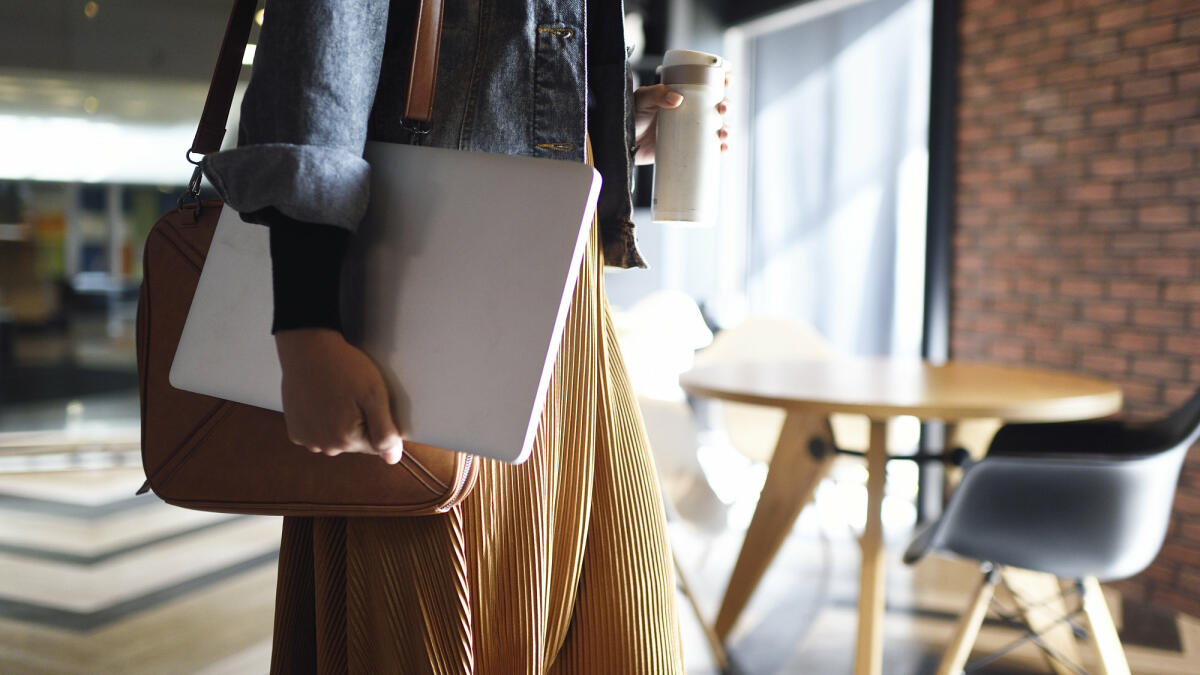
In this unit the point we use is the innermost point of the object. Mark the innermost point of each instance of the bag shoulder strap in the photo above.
(418, 105)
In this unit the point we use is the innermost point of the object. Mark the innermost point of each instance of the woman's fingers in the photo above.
(657, 96)
(382, 433)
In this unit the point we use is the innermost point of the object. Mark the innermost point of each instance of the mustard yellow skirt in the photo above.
(559, 565)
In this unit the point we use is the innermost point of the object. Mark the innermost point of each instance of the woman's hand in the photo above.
(334, 399)
(647, 101)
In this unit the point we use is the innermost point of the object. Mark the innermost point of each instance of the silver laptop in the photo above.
(457, 284)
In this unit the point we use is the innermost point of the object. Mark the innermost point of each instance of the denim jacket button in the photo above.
(560, 31)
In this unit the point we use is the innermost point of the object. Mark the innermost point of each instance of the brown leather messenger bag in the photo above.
(205, 453)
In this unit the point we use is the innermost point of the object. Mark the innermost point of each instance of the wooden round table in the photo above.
(880, 389)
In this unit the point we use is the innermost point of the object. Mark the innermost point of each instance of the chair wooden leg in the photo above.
(1104, 633)
(792, 478)
(959, 650)
(868, 656)
(715, 646)
(1035, 594)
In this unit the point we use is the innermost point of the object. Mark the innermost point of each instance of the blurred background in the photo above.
(1011, 182)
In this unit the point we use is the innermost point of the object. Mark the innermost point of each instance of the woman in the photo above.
(560, 564)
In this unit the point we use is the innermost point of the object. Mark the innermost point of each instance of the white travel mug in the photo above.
(687, 151)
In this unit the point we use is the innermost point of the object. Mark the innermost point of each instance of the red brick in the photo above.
(1113, 165)
(1059, 311)
(1160, 8)
(1161, 574)
(1189, 28)
(1182, 292)
(1147, 87)
(1046, 54)
(1129, 289)
(1188, 345)
(1018, 174)
(1068, 26)
(1067, 72)
(1004, 17)
(1010, 305)
(1143, 189)
(1188, 80)
(1055, 8)
(1056, 355)
(1136, 241)
(1037, 332)
(1149, 34)
(1060, 123)
(1087, 145)
(1179, 603)
(1131, 340)
(1172, 57)
(1092, 192)
(1081, 288)
(1113, 116)
(1178, 109)
(1159, 318)
(1105, 364)
(1020, 38)
(1042, 148)
(1164, 214)
(1085, 334)
(1107, 312)
(1176, 394)
(1109, 216)
(1169, 162)
(1096, 93)
(1127, 64)
(1120, 16)
(1187, 239)
(1021, 126)
(1016, 83)
(1187, 133)
(1158, 367)
(1164, 265)
(1131, 139)
(1186, 187)
(1095, 47)
(1138, 391)
(1181, 553)
(1005, 351)
(1190, 531)
(1090, 243)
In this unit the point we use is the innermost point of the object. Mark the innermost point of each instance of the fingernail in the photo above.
(674, 98)
(392, 456)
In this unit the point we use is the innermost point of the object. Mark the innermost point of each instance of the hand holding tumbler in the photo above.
(687, 157)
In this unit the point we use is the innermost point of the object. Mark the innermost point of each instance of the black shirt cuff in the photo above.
(306, 270)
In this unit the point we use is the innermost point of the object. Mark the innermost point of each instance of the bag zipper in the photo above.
(462, 481)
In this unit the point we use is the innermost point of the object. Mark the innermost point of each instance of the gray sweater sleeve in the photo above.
(304, 116)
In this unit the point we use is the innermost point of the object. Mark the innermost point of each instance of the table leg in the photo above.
(1039, 597)
(792, 477)
(868, 658)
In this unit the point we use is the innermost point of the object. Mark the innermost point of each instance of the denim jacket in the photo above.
(514, 77)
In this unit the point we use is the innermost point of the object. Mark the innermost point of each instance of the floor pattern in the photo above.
(95, 580)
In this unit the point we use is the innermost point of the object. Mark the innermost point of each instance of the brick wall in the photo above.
(1078, 211)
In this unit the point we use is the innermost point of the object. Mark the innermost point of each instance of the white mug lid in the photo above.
(688, 57)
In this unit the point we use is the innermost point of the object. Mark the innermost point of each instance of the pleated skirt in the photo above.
(558, 565)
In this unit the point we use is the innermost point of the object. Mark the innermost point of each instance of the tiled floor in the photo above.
(95, 580)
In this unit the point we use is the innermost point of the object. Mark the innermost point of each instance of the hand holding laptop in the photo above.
(334, 399)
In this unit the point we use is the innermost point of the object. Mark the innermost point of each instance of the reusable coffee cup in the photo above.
(687, 152)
